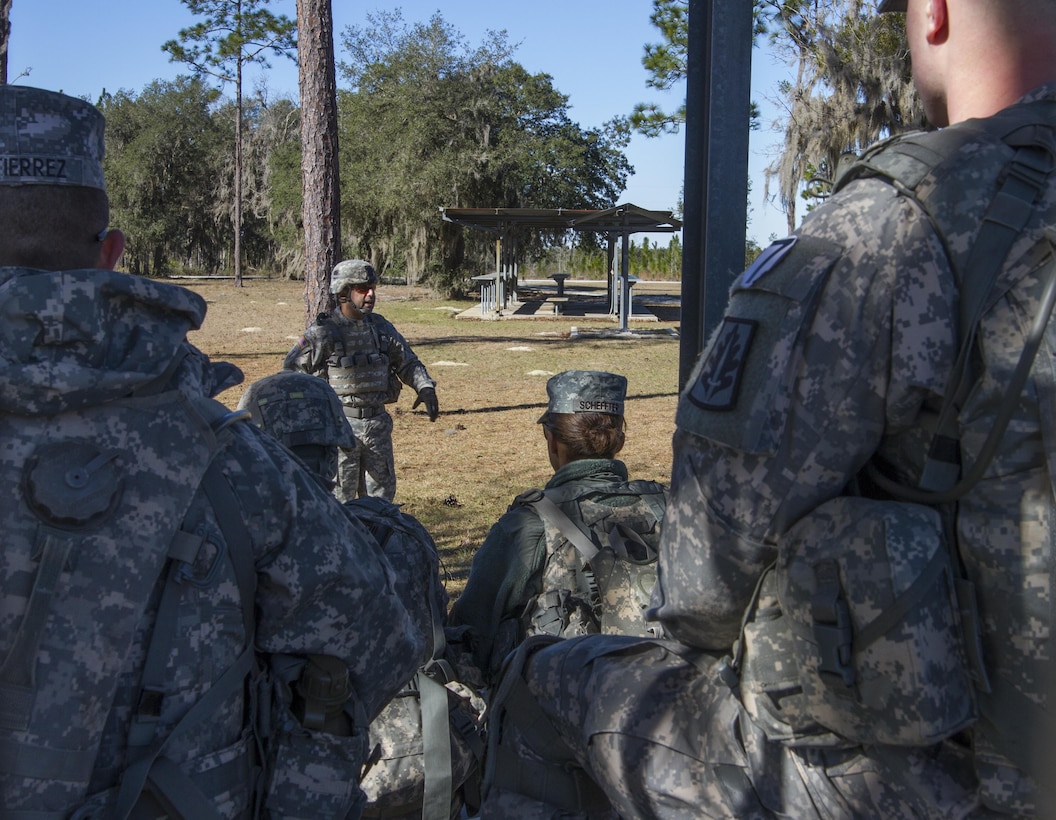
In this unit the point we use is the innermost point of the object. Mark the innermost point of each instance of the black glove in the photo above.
(427, 396)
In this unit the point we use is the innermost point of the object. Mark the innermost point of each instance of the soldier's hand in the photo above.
(427, 396)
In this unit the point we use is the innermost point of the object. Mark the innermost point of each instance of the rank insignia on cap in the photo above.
(719, 381)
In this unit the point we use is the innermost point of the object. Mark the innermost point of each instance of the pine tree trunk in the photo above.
(5, 37)
(237, 218)
(321, 208)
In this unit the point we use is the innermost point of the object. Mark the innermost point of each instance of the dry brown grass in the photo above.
(459, 474)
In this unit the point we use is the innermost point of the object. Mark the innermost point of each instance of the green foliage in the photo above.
(429, 121)
(666, 63)
(163, 148)
(852, 86)
(233, 34)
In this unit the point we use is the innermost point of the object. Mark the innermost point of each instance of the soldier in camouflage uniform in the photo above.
(303, 413)
(584, 430)
(835, 353)
(158, 553)
(367, 362)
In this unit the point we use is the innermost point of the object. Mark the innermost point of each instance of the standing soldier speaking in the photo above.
(367, 362)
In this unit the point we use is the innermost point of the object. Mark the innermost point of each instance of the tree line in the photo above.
(425, 120)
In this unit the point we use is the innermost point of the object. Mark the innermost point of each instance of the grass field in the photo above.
(458, 474)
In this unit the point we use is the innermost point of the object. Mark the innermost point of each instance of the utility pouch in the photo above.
(311, 773)
(868, 589)
(768, 675)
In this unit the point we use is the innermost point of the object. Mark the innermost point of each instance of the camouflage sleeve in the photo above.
(415, 560)
(402, 358)
(324, 585)
(503, 578)
(831, 342)
(311, 351)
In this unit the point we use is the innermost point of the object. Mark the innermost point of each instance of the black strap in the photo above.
(18, 672)
(1005, 218)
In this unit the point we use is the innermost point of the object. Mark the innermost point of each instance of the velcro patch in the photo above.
(719, 381)
(767, 261)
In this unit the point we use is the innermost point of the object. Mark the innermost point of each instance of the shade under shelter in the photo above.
(615, 223)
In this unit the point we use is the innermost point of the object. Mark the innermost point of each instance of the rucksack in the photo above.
(427, 742)
(601, 562)
(94, 535)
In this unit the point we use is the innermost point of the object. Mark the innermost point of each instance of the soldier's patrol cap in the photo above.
(298, 409)
(586, 391)
(47, 138)
(886, 6)
(352, 272)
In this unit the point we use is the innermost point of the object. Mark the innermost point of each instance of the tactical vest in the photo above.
(359, 367)
(601, 548)
(1000, 252)
(96, 559)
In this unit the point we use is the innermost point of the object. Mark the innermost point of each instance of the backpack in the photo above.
(601, 567)
(93, 539)
(427, 742)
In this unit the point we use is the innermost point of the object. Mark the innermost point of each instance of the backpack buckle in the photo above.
(832, 628)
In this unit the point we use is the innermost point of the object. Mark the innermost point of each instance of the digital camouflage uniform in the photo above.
(323, 585)
(96, 364)
(366, 361)
(835, 350)
(303, 413)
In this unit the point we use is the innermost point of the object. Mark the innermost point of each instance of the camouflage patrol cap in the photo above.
(352, 272)
(885, 6)
(586, 391)
(47, 138)
(298, 409)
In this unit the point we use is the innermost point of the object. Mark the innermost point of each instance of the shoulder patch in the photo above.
(719, 381)
(741, 388)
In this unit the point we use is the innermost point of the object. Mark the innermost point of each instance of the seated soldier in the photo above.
(529, 576)
(304, 413)
(158, 551)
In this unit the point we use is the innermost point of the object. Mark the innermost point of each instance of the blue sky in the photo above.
(592, 48)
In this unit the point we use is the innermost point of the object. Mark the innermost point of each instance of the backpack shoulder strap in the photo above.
(549, 511)
(166, 778)
(1026, 177)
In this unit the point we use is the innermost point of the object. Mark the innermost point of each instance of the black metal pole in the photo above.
(715, 198)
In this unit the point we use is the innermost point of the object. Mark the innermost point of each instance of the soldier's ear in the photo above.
(936, 15)
(110, 249)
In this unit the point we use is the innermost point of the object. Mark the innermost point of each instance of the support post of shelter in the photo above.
(625, 287)
(718, 99)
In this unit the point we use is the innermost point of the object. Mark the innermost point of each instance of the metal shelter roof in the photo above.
(623, 219)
